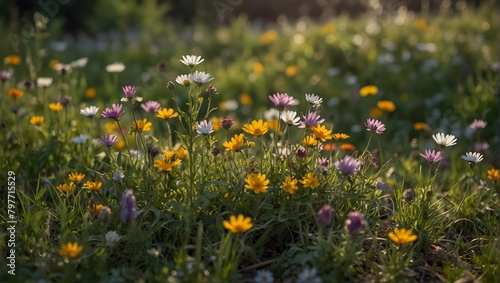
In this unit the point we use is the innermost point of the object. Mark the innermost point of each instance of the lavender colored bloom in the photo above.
(118, 176)
(226, 123)
(325, 215)
(349, 165)
(355, 222)
(432, 156)
(322, 164)
(108, 140)
(65, 100)
(114, 112)
(310, 120)
(5, 75)
(375, 126)
(380, 185)
(478, 124)
(282, 100)
(129, 207)
(481, 146)
(151, 106)
(129, 91)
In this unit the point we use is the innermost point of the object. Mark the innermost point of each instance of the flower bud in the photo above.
(325, 215)
(355, 222)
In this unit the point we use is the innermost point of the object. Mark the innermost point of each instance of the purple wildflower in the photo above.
(129, 207)
(114, 112)
(432, 156)
(481, 146)
(226, 123)
(325, 215)
(108, 140)
(282, 100)
(310, 120)
(478, 124)
(129, 91)
(151, 106)
(355, 222)
(349, 165)
(5, 75)
(65, 100)
(375, 126)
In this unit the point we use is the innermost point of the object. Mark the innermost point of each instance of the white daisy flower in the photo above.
(290, 117)
(184, 80)
(191, 60)
(118, 176)
(264, 276)
(314, 99)
(44, 82)
(116, 67)
(201, 77)
(80, 63)
(308, 276)
(89, 111)
(81, 139)
(204, 127)
(443, 140)
(272, 114)
(472, 158)
(111, 238)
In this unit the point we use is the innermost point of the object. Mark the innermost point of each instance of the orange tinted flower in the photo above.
(420, 126)
(386, 105)
(376, 112)
(14, 93)
(368, 90)
(291, 71)
(268, 37)
(258, 68)
(245, 99)
(348, 147)
(90, 93)
(12, 60)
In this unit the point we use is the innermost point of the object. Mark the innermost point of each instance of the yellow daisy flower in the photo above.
(310, 141)
(166, 113)
(235, 143)
(257, 183)
(238, 224)
(321, 132)
(70, 250)
(420, 126)
(12, 60)
(65, 188)
(142, 126)
(310, 180)
(37, 120)
(386, 105)
(402, 236)
(90, 93)
(76, 177)
(493, 174)
(93, 185)
(167, 164)
(340, 136)
(291, 71)
(368, 90)
(56, 106)
(256, 128)
(290, 185)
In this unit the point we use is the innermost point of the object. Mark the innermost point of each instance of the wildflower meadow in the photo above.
(347, 149)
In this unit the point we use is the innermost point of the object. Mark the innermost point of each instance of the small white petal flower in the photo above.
(111, 238)
(44, 82)
(308, 276)
(272, 114)
(201, 77)
(290, 117)
(80, 63)
(204, 127)
(472, 157)
(184, 80)
(89, 111)
(154, 252)
(444, 140)
(314, 99)
(116, 67)
(264, 276)
(63, 67)
(191, 60)
(81, 139)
